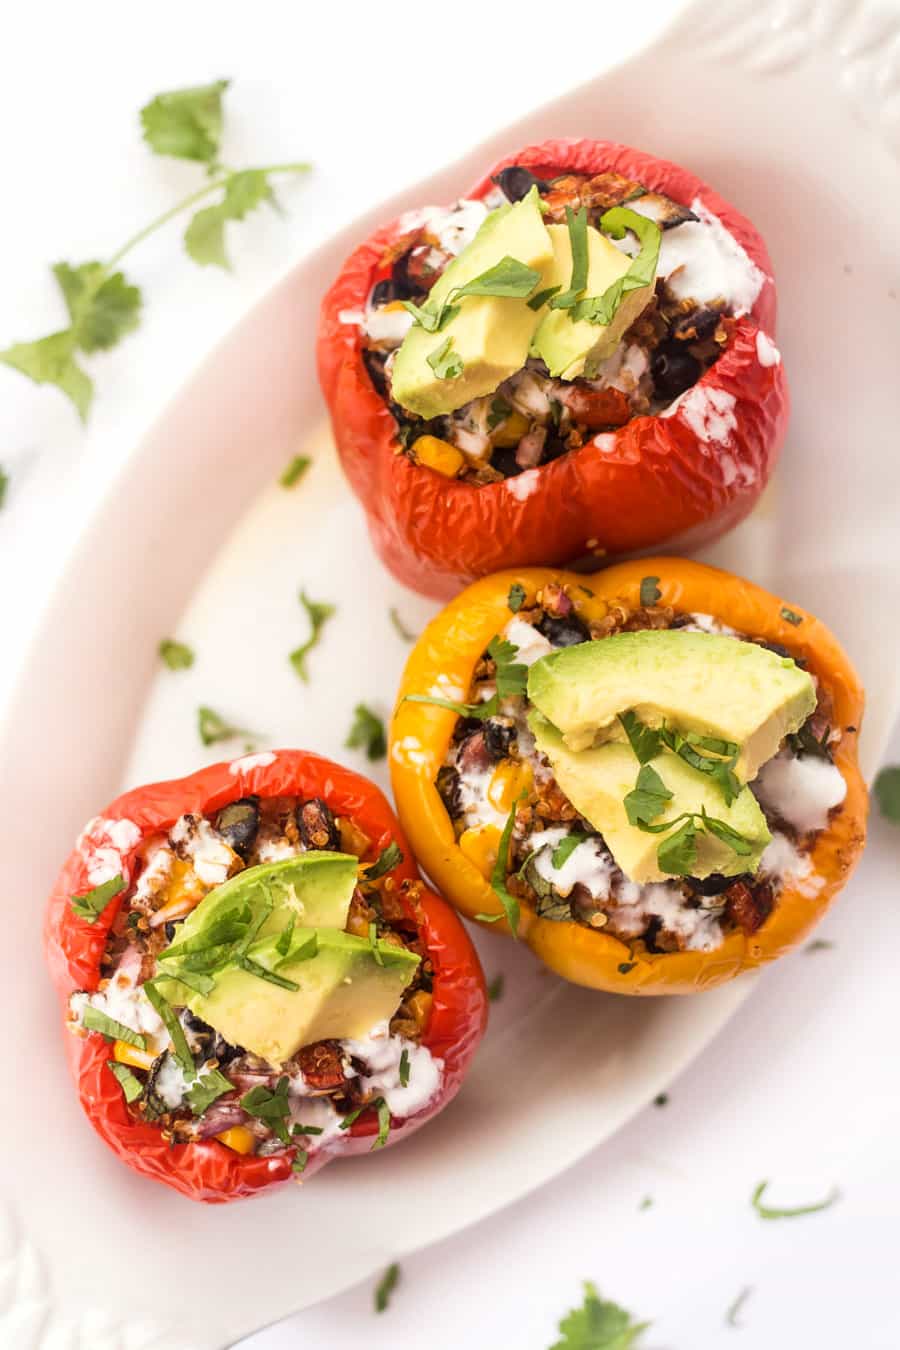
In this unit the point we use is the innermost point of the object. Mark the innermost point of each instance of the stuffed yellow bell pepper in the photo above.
(648, 774)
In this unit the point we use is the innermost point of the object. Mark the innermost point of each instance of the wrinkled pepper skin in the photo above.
(451, 646)
(654, 483)
(208, 1170)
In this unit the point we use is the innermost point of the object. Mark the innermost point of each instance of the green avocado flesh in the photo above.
(596, 782)
(490, 334)
(703, 683)
(572, 349)
(293, 913)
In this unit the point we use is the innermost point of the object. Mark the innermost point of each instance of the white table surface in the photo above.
(802, 1087)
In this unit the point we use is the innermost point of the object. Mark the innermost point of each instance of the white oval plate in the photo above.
(93, 1255)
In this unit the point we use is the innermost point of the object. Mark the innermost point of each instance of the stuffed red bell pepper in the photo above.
(575, 359)
(255, 978)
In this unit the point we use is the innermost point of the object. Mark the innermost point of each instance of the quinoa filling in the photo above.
(705, 281)
(558, 863)
(224, 1091)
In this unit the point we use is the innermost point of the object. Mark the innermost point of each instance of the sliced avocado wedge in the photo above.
(344, 986)
(490, 335)
(571, 348)
(703, 683)
(597, 781)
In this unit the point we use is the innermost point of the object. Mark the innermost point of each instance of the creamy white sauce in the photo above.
(699, 929)
(454, 227)
(193, 837)
(381, 1053)
(102, 844)
(125, 1001)
(706, 623)
(701, 261)
(587, 865)
(801, 789)
(248, 762)
(767, 354)
(709, 412)
(154, 876)
(170, 1083)
(445, 687)
(531, 644)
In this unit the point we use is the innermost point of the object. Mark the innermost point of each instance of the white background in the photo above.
(802, 1087)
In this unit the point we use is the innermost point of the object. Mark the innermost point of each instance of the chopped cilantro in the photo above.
(887, 793)
(400, 627)
(645, 741)
(791, 616)
(294, 471)
(577, 224)
(301, 1158)
(386, 1286)
(566, 847)
(373, 943)
(131, 1087)
(173, 1027)
(387, 860)
(262, 973)
(445, 362)
(319, 613)
(601, 309)
(598, 1325)
(403, 1068)
(516, 598)
(206, 1089)
(770, 1212)
(648, 797)
(367, 733)
(650, 592)
(212, 727)
(501, 867)
(95, 1019)
(271, 1106)
(540, 299)
(495, 989)
(384, 1122)
(176, 655)
(91, 904)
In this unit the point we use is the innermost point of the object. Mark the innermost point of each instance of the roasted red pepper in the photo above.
(652, 481)
(208, 1170)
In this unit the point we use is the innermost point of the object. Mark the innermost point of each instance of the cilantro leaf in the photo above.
(212, 727)
(387, 860)
(432, 320)
(791, 616)
(103, 307)
(319, 613)
(677, 854)
(91, 904)
(498, 874)
(263, 973)
(720, 770)
(648, 797)
(173, 1026)
(598, 1325)
(601, 309)
(566, 847)
(373, 943)
(400, 627)
(95, 1019)
(384, 1123)
(538, 301)
(367, 733)
(508, 278)
(479, 710)
(511, 676)
(403, 1068)
(733, 1311)
(270, 1106)
(206, 1089)
(770, 1212)
(204, 237)
(186, 123)
(499, 412)
(445, 362)
(887, 793)
(516, 597)
(386, 1286)
(295, 471)
(735, 841)
(177, 655)
(650, 592)
(578, 241)
(132, 1087)
(51, 360)
(495, 989)
(645, 741)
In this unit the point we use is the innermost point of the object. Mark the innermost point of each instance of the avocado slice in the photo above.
(596, 781)
(696, 682)
(345, 988)
(490, 334)
(569, 348)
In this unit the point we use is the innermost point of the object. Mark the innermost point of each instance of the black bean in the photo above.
(404, 287)
(714, 884)
(317, 825)
(504, 461)
(515, 182)
(563, 632)
(498, 737)
(238, 824)
(464, 728)
(449, 789)
(673, 370)
(697, 326)
(171, 929)
(384, 292)
(374, 364)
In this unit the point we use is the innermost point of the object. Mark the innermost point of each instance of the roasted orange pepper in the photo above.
(452, 645)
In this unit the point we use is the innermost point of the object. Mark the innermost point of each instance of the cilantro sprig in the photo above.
(601, 309)
(131, 1086)
(511, 679)
(598, 1325)
(500, 869)
(507, 279)
(270, 1106)
(91, 904)
(103, 306)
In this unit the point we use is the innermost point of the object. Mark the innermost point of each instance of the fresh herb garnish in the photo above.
(367, 733)
(770, 1212)
(301, 1158)
(791, 616)
(724, 832)
(384, 1123)
(306, 1130)
(566, 847)
(262, 973)
(646, 1203)
(516, 597)
(650, 592)
(598, 1325)
(648, 797)
(731, 1316)
(387, 860)
(677, 854)
(352, 1117)
(386, 1286)
(271, 1106)
(501, 867)
(601, 309)
(176, 655)
(206, 1089)
(403, 1068)
(540, 299)
(173, 1026)
(400, 627)
(507, 279)
(103, 307)
(511, 676)
(212, 727)
(499, 412)
(132, 1087)
(373, 943)
(91, 904)
(625, 966)
(488, 918)
(644, 741)
(201, 984)
(818, 945)
(294, 471)
(805, 742)
(283, 945)
(887, 793)
(94, 1019)
(578, 240)
(445, 362)
(721, 771)
(495, 989)
(319, 613)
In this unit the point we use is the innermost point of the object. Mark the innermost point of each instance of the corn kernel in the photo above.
(480, 846)
(509, 780)
(438, 455)
(511, 431)
(353, 840)
(124, 1053)
(420, 1005)
(238, 1138)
